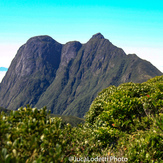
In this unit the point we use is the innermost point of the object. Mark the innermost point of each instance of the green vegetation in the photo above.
(124, 121)
(130, 119)
(72, 120)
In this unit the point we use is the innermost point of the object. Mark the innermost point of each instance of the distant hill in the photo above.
(4, 110)
(74, 121)
(3, 69)
(67, 77)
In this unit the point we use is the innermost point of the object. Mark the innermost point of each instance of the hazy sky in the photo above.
(135, 26)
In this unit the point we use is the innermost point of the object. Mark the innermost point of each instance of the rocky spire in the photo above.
(98, 36)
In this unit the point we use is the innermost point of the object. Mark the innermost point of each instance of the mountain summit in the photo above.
(67, 77)
(98, 36)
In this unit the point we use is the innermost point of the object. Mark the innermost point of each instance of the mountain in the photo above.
(67, 77)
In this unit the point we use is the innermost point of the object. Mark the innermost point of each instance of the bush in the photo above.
(27, 135)
(130, 109)
(124, 121)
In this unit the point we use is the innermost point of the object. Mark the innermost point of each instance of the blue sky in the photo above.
(135, 26)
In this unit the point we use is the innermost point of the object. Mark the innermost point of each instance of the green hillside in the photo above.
(124, 123)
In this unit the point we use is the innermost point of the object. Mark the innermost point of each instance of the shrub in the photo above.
(124, 121)
(28, 135)
(130, 109)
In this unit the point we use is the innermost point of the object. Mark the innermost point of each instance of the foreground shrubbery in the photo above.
(131, 116)
(29, 135)
(124, 121)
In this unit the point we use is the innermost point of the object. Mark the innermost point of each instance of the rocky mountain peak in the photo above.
(69, 51)
(37, 52)
(42, 38)
(98, 36)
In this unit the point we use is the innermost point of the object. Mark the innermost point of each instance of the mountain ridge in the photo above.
(67, 77)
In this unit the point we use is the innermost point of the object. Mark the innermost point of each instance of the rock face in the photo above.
(31, 72)
(66, 78)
